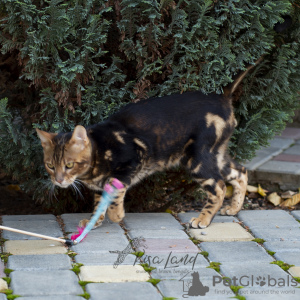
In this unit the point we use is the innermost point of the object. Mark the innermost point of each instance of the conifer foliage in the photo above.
(72, 62)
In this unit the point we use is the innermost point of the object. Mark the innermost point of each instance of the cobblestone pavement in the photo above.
(176, 261)
(280, 162)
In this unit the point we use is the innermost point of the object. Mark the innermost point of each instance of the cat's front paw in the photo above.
(229, 211)
(201, 222)
(84, 222)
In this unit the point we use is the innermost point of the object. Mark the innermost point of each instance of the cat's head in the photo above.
(67, 156)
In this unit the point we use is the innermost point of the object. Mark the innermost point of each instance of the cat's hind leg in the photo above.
(236, 175)
(215, 189)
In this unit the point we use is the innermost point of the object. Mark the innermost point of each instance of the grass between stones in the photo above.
(9, 294)
(147, 268)
(284, 266)
(259, 241)
(169, 298)
(4, 256)
(215, 266)
(83, 284)
(297, 279)
(204, 253)
(154, 281)
(8, 271)
(195, 241)
(76, 268)
(236, 289)
(138, 253)
(271, 252)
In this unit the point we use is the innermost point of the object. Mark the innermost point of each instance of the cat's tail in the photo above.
(231, 88)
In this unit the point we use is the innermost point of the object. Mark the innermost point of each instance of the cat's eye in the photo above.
(50, 166)
(70, 165)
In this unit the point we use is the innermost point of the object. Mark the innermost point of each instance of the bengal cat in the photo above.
(191, 130)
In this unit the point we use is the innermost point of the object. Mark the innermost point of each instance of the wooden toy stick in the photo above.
(34, 234)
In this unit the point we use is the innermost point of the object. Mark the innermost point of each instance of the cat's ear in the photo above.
(46, 138)
(79, 139)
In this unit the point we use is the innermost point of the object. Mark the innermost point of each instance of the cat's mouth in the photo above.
(62, 184)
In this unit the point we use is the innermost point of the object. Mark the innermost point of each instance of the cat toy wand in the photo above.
(110, 191)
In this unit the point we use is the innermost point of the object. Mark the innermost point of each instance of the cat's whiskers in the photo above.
(76, 189)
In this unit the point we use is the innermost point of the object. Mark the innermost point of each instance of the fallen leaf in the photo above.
(261, 191)
(292, 201)
(288, 194)
(254, 189)
(14, 187)
(274, 198)
(229, 191)
(173, 246)
(168, 211)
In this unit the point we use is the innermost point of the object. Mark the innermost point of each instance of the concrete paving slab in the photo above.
(179, 290)
(50, 228)
(39, 262)
(174, 260)
(71, 222)
(186, 217)
(287, 157)
(221, 232)
(283, 246)
(250, 271)
(295, 271)
(270, 293)
(45, 283)
(2, 267)
(277, 234)
(65, 297)
(280, 167)
(97, 242)
(295, 149)
(155, 234)
(34, 247)
(16, 218)
(281, 143)
(291, 258)
(123, 290)
(122, 273)
(262, 156)
(154, 221)
(178, 273)
(3, 285)
(167, 245)
(3, 297)
(267, 218)
(100, 259)
(296, 214)
(290, 133)
(238, 252)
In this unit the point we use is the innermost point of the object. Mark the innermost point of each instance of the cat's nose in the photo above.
(59, 179)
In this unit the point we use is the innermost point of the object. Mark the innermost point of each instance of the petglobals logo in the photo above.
(252, 281)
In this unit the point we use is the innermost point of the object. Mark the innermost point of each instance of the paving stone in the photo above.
(179, 290)
(16, 218)
(267, 218)
(270, 293)
(111, 274)
(262, 156)
(186, 217)
(290, 132)
(71, 222)
(39, 262)
(238, 252)
(34, 247)
(221, 232)
(287, 157)
(97, 242)
(44, 283)
(295, 271)
(3, 285)
(2, 267)
(282, 143)
(293, 150)
(249, 269)
(277, 234)
(291, 258)
(100, 259)
(174, 260)
(296, 214)
(283, 246)
(66, 297)
(123, 290)
(163, 233)
(154, 221)
(280, 167)
(3, 297)
(46, 227)
(178, 273)
(167, 245)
